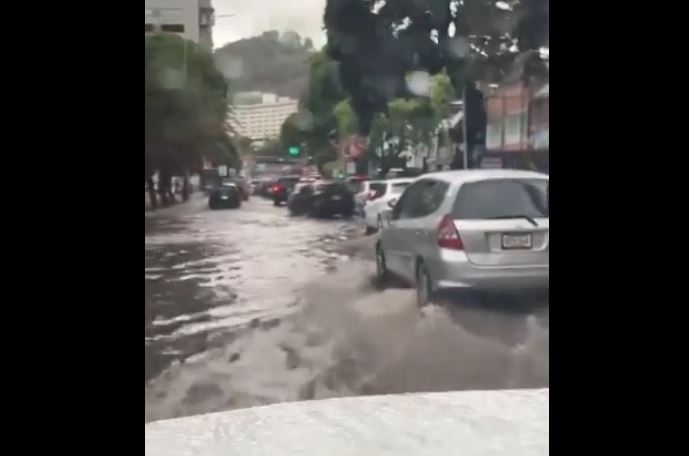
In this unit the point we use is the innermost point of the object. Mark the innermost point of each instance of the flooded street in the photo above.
(210, 271)
(252, 306)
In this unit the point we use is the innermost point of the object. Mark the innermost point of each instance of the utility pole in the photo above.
(465, 152)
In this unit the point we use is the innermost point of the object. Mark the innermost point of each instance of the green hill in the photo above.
(267, 63)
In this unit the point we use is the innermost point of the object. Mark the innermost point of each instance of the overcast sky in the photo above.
(254, 17)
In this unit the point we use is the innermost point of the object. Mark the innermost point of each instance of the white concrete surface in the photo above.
(470, 423)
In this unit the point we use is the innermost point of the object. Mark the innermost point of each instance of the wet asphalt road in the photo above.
(210, 271)
(251, 306)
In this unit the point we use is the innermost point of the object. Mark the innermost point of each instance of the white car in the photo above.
(366, 190)
(383, 201)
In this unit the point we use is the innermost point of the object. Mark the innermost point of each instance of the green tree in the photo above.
(315, 125)
(378, 43)
(347, 121)
(186, 111)
(442, 94)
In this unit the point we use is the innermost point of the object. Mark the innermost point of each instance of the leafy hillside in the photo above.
(268, 63)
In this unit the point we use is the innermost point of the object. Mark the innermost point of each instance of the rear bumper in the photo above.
(334, 207)
(452, 270)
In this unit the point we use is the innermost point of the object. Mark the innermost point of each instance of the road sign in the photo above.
(351, 167)
(222, 170)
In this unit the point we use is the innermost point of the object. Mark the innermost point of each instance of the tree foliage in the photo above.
(442, 94)
(379, 42)
(347, 121)
(186, 108)
(327, 114)
(315, 125)
(409, 123)
(185, 97)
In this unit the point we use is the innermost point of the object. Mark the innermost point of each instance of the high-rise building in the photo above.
(190, 19)
(206, 23)
(263, 118)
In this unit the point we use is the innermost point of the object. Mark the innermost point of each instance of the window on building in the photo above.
(513, 128)
(173, 28)
(149, 28)
(494, 135)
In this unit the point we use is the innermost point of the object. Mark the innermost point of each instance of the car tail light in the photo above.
(277, 188)
(392, 202)
(448, 237)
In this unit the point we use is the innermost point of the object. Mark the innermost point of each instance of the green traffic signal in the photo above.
(294, 150)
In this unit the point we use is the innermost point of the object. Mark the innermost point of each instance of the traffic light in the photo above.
(294, 151)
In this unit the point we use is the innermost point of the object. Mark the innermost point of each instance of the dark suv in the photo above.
(323, 200)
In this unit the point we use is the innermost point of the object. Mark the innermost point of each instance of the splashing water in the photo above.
(350, 339)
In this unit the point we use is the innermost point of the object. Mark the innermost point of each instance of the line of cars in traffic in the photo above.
(311, 196)
(323, 198)
(443, 232)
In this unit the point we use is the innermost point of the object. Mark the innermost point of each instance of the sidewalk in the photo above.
(195, 199)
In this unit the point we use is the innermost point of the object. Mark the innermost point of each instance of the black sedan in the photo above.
(284, 186)
(322, 200)
(225, 196)
(241, 184)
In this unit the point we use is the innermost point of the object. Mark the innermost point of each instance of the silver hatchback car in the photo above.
(469, 230)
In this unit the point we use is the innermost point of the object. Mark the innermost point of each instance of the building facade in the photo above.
(507, 111)
(262, 121)
(191, 19)
(517, 130)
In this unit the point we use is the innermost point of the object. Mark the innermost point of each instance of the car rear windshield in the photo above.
(494, 199)
(378, 189)
(398, 187)
(331, 187)
(355, 186)
(288, 180)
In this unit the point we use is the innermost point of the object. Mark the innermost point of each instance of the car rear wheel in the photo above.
(424, 287)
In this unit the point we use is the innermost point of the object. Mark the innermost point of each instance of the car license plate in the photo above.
(516, 241)
(224, 197)
(336, 198)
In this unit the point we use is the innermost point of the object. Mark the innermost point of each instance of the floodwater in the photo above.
(251, 306)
